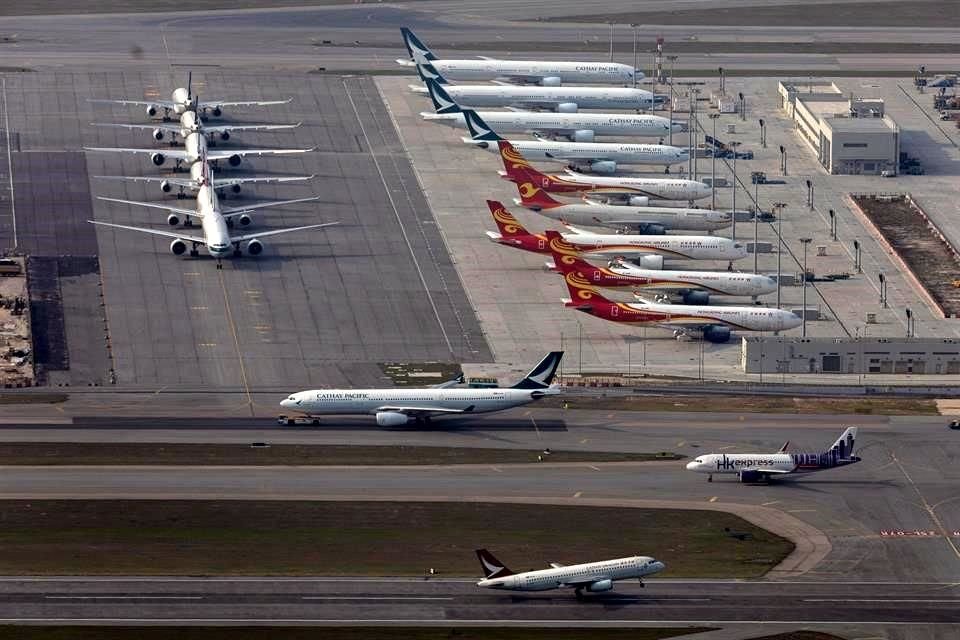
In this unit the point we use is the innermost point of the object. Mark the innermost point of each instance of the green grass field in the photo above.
(99, 537)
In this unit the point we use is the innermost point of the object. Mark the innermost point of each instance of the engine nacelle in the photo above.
(751, 476)
(652, 229)
(391, 419)
(567, 107)
(244, 220)
(601, 585)
(716, 334)
(254, 247)
(639, 201)
(151, 110)
(178, 247)
(603, 166)
(582, 135)
(173, 220)
(217, 112)
(165, 186)
(649, 262)
(158, 159)
(696, 297)
(158, 134)
(224, 135)
(235, 187)
(551, 81)
(234, 160)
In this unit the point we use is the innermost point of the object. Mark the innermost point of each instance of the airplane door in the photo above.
(596, 275)
(541, 243)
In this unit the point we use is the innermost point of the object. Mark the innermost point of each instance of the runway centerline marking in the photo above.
(236, 341)
(123, 597)
(376, 598)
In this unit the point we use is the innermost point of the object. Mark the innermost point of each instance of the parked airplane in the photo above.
(167, 183)
(216, 236)
(577, 127)
(182, 100)
(546, 73)
(761, 467)
(646, 251)
(194, 145)
(693, 287)
(190, 122)
(713, 323)
(599, 157)
(646, 220)
(595, 577)
(566, 99)
(395, 407)
(637, 192)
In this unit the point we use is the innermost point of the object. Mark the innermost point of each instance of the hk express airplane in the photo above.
(761, 467)
(542, 72)
(396, 407)
(594, 577)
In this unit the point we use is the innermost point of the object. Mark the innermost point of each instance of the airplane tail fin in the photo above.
(518, 169)
(783, 449)
(582, 293)
(427, 72)
(566, 258)
(492, 568)
(532, 196)
(419, 52)
(479, 130)
(843, 447)
(442, 102)
(541, 375)
(506, 223)
(190, 86)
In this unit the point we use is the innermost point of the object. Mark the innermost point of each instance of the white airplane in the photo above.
(190, 122)
(167, 183)
(396, 407)
(565, 99)
(594, 577)
(693, 287)
(647, 251)
(629, 219)
(546, 73)
(713, 323)
(637, 192)
(761, 467)
(598, 157)
(576, 127)
(213, 220)
(183, 100)
(195, 145)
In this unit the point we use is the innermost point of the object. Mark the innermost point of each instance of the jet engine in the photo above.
(718, 335)
(751, 476)
(601, 585)
(567, 107)
(391, 418)
(697, 298)
(224, 135)
(173, 220)
(165, 186)
(582, 135)
(158, 159)
(235, 187)
(639, 201)
(151, 110)
(652, 229)
(158, 134)
(234, 160)
(178, 247)
(551, 81)
(217, 112)
(603, 166)
(254, 247)
(244, 219)
(649, 262)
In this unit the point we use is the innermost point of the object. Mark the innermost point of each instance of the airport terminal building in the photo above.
(848, 135)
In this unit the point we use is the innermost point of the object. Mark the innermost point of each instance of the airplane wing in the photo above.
(225, 154)
(179, 182)
(218, 128)
(424, 410)
(164, 104)
(577, 230)
(174, 154)
(779, 471)
(210, 104)
(166, 126)
(155, 205)
(157, 232)
(585, 580)
(276, 232)
(236, 211)
(226, 182)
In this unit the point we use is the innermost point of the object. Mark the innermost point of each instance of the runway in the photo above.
(349, 600)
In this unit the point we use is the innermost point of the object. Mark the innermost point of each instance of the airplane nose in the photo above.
(792, 320)
(692, 466)
(659, 566)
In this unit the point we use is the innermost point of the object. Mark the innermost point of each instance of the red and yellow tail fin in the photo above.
(506, 223)
(566, 257)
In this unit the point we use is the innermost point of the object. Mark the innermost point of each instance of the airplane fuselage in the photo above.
(584, 153)
(715, 282)
(601, 124)
(776, 463)
(535, 70)
(615, 186)
(481, 96)
(371, 401)
(214, 225)
(624, 216)
(682, 316)
(604, 573)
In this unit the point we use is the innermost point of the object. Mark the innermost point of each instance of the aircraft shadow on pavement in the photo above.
(334, 423)
(609, 600)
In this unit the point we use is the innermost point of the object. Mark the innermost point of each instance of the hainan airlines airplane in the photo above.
(396, 407)
(546, 73)
(576, 127)
(190, 122)
(594, 577)
(646, 251)
(598, 157)
(566, 99)
(713, 323)
(183, 100)
(693, 287)
(213, 220)
(761, 467)
(637, 192)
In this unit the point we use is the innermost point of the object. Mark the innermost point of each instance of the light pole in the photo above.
(735, 144)
(763, 134)
(694, 131)
(723, 83)
(713, 162)
(756, 222)
(909, 322)
(779, 207)
(833, 224)
(611, 42)
(636, 60)
(883, 290)
(803, 330)
(672, 59)
(810, 195)
(856, 256)
(783, 160)
(743, 107)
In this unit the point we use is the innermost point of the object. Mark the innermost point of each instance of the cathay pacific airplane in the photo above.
(396, 407)
(595, 577)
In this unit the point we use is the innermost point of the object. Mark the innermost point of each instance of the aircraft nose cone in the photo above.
(658, 566)
(692, 466)
(286, 403)
(792, 320)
